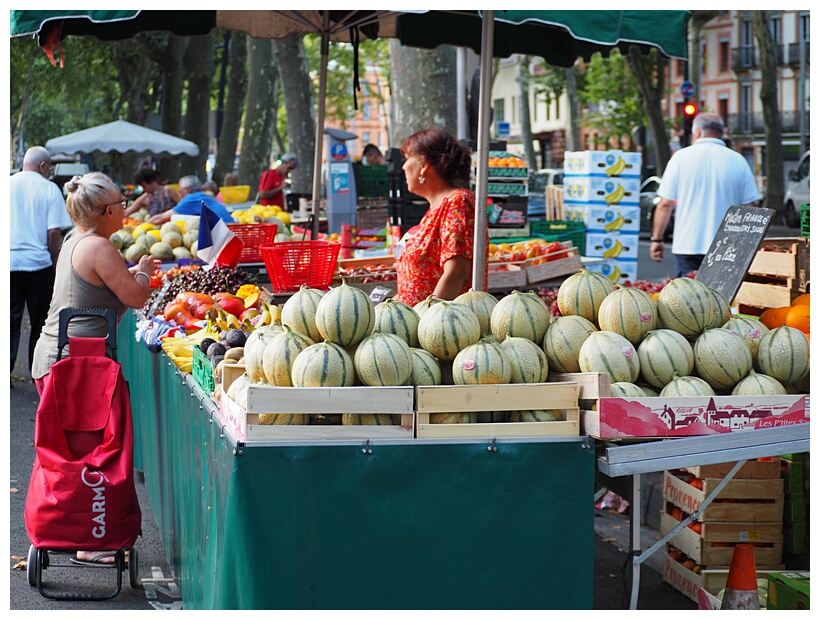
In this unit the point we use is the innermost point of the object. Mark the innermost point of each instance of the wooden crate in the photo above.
(555, 268)
(554, 202)
(514, 277)
(775, 278)
(397, 401)
(497, 397)
(716, 543)
(756, 469)
(496, 232)
(754, 501)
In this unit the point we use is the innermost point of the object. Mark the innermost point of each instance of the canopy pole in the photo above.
(480, 240)
(320, 124)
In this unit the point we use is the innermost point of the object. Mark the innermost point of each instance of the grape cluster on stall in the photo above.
(210, 281)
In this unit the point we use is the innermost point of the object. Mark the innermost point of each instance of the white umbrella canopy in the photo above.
(121, 137)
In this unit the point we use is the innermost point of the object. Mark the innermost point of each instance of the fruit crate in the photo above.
(253, 236)
(561, 230)
(557, 268)
(372, 218)
(494, 398)
(805, 217)
(233, 194)
(371, 181)
(759, 469)
(505, 172)
(779, 272)
(506, 276)
(506, 189)
(203, 371)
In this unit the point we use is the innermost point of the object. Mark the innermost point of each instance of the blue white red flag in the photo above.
(217, 244)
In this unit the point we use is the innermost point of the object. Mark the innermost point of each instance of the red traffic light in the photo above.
(690, 110)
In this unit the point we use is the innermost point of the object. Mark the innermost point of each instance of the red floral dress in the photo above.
(443, 233)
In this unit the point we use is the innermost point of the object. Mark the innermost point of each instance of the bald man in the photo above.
(38, 214)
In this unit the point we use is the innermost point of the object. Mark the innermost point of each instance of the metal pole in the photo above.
(480, 240)
(461, 93)
(320, 124)
(802, 90)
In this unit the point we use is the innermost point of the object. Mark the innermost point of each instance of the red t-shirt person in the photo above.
(272, 183)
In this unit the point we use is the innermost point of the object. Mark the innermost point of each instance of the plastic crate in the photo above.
(253, 236)
(372, 180)
(232, 194)
(561, 230)
(290, 264)
(805, 227)
(203, 371)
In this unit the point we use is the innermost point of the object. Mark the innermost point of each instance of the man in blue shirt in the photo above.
(191, 202)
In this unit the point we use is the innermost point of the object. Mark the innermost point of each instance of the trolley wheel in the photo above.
(134, 568)
(31, 568)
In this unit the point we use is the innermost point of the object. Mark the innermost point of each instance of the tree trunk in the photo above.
(653, 90)
(173, 83)
(423, 84)
(526, 126)
(772, 123)
(237, 87)
(573, 142)
(695, 48)
(199, 68)
(260, 112)
(297, 88)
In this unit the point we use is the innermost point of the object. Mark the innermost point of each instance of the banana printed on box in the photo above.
(602, 190)
(602, 163)
(617, 271)
(612, 245)
(600, 218)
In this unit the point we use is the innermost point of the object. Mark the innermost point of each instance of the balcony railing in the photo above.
(794, 53)
(746, 123)
(744, 58)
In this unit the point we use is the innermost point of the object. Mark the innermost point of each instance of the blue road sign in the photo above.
(687, 89)
(503, 129)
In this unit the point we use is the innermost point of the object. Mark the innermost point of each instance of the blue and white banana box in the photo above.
(612, 245)
(602, 190)
(602, 163)
(600, 218)
(618, 271)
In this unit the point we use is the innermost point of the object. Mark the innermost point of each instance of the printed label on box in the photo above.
(612, 245)
(598, 218)
(602, 163)
(602, 190)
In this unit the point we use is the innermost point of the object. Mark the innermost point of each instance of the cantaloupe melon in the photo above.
(446, 328)
(687, 386)
(424, 304)
(527, 360)
(395, 317)
(368, 419)
(723, 312)
(630, 312)
(482, 303)
(299, 312)
(383, 359)
(662, 353)
(563, 341)
(289, 419)
(783, 353)
(254, 352)
(324, 364)
(755, 383)
(609, 352)
(540, 415)
(624, 389)
(686, 306)
(345, 315)
(722, 359)
(453, 418)
(481, 363)
(521, 315)
(582, 294)
(426, 369)
(279, 355)
(749, 329)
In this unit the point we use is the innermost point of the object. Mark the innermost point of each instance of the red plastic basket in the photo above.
(290, 264)
(253, 236)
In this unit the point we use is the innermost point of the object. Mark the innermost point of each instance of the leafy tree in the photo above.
(650, 76)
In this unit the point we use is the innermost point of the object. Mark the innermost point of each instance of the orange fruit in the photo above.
(774, 317)
(798, 317)
(801, 299)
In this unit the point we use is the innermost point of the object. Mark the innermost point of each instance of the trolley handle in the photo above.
(66, 314)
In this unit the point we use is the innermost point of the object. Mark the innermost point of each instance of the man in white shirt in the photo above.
(700, 183)
(38, 214)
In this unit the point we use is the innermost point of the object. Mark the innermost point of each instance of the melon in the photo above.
(630, 312)
(189, 238)
(754, 384)
(722, 359)
(134, 253)
(424, 304)
(453, 418)
(279, 355)
(540, 415)
(482, 303)
(345, 315)
(527, 360)
(254, 353)
(582, 294)
(426, 369)
(324, 364)
(395, 317)
(238, 390)
(648, 390)
(686, 306)
(299, 312)
(446, 328)
(173, 239)
(283, 418)
(609, 352)
(624, 389)
(687, 386)
(563, 341)
(521, 315)
(116, 240)
(783, 353)
(383, 359)
(723, 312)
(662, 353)
(749, 329)
(160, 250)
(481, 363)
(182, 252)
(169, 227)
(369, 419)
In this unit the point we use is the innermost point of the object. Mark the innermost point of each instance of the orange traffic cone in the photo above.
(741, 586)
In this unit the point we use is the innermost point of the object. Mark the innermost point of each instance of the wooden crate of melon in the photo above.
(676, 366)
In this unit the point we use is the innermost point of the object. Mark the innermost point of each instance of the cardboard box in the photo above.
(794, 538)
(603, 163)
(602, 191)
(604, 219)
(794, 508)
(789, 590)
(618, 271)
(612, 245)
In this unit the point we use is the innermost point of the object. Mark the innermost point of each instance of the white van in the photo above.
(797, 191)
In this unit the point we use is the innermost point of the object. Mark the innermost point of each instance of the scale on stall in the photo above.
(340, 181)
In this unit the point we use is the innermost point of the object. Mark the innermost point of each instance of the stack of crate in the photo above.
(749, 509)
(795, 507)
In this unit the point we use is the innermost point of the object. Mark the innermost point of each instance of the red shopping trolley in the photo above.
(81, 496)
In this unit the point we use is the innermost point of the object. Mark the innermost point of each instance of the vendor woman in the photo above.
(436, 257)
(156, 197)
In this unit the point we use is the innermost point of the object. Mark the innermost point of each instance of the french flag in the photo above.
(217, 244)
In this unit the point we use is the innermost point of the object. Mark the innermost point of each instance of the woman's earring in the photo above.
(421, 179)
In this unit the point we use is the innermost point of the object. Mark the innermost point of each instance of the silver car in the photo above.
(797, 192)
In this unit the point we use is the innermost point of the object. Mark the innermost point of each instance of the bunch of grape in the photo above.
(649, 287)
(211, 282)
(550, 297)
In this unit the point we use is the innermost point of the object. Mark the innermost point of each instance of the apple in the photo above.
(232, 305)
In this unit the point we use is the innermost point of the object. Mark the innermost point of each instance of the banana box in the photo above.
(602, 163)
(600, 218)
(618, 271)
(602, 190)
(612, 245)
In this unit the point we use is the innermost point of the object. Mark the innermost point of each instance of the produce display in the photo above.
(169, 242)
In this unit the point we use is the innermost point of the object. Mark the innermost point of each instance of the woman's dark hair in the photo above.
(146, 175)
(449, 158)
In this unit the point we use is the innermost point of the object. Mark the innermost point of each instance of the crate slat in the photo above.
(495, 397)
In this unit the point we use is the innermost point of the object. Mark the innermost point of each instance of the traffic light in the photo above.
(690, 111)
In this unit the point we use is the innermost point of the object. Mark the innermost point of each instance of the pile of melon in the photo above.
(687, 343)
(170, 242)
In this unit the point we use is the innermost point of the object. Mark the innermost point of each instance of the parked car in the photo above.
(537, 189)
(797, 192)
(649, 200)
